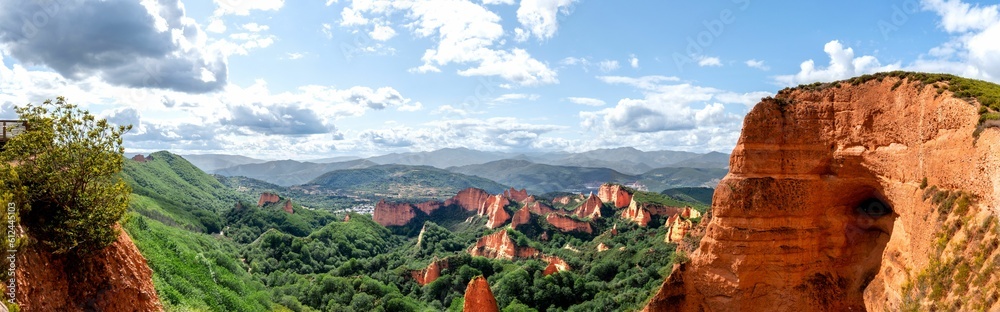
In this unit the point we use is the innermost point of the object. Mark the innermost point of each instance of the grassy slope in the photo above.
(385, 178)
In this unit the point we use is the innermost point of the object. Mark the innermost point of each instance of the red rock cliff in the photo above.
(495, 212)
(566, 224)
(636, 214)
(393, 214)
(614, 194)
(115, 278)
(431, 273)
(499, 245)
(823, 207)
(470, 199)
(521, 217)
(591, 209)
(267, 198)
(288, 207)
(515, 195)
(478, 297)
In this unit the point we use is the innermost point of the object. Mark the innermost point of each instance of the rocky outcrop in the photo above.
(690, 213)
(393, 214)
(823, 208)
(140, 158)
(515, 195)
(636, 214)
(288, 207)
(478, 297)
(591, 209)
(521, 217)
(115, 278)
(677, 227)
(494, 210)
(499, 245)
(568, 199)
(470, 199)
(347, 218)
(660, 210)
(602, 247)
(566, 224)
(556, 265)
(267, 198)
(615, 194)
(431, 273)
(539, 208)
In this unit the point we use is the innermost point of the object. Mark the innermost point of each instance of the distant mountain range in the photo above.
(401, 181)
(541, 172)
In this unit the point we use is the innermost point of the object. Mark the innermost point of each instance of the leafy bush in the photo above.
(66, 178)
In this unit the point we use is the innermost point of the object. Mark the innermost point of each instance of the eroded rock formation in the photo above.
(615, 194)
(494, 210)
(478, 297)
(267, 198)
(515, 195)
(556, 265)
(499, 245)
(393, 214)
(288, 207)
(521, 217)
(139, 158)
(591, 209)
(566, 224)
(677, 227)
(115, 278)
(636, 214)
(431, 273)
(823, 208)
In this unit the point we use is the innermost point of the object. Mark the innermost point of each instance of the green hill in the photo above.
(401, 181)
(701, 195)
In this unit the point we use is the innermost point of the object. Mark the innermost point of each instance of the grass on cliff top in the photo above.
(987, 94)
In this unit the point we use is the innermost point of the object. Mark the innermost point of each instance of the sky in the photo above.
(278, 79)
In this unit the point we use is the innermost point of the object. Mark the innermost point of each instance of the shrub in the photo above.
(67, 177)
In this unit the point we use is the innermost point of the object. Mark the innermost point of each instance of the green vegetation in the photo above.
(194, 271)
(66, 179)
(171, 190)
(702, 195)
(248, 222)
(407, 181)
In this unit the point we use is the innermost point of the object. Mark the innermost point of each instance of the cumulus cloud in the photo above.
(704, 61)
(466, 33)
(843, 65)
(512, 97)
(633, 61)
(243, 7)
(539, 16)
(382, 33)
(753, 63)
(974, 50)
(586, 101)
(124, 43)
(284, 119)
(498, 133)
(608, 65)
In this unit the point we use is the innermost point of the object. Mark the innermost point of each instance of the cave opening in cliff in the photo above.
(868, 233)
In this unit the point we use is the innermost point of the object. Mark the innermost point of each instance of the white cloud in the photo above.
(498, 1)
(411, 107)
(608, 65)
(586, 101)
(960, 17)
(633, 61)
(843, 65)
(254, 27)
(466, 32)
(511, 97)
(216, 26)
(709, 61)
(644, 82)
(243, 7)
(539, 17)
(382, 33)
(327, 30)
(753, 63)
(295, 55)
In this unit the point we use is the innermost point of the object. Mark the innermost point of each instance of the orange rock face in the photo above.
(615, 194)
(591, 209)
(495, 212)
(431, 273)
(499, 245)
(602, 247)
(115, 278)
(539, 208)
(393, 214)
(267, 198)
(566, 200)
(515, 195)
(556, 265)
(478, 297)
(470, 199)
(139, 158)
(677, 227)
(793, 227)
(521, 217)
(288, 207)
(636, 214)
(566, 224)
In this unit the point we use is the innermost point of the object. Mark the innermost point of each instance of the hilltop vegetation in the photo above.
(399, 181)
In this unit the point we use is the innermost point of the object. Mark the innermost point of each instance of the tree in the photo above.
(65, 176)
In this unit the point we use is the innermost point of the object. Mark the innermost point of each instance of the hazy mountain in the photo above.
(709, 160)
(441, 158)
(290, 172)
(544, 178)
(333, 159)
(400, 181)
(694, 194)
(211, 162)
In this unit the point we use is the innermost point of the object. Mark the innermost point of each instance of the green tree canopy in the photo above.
(63, 173)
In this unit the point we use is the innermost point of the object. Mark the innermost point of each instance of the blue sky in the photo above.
(280, 79)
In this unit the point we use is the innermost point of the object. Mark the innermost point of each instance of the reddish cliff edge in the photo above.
(789, 231)
(478, 297)
(115, 278)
